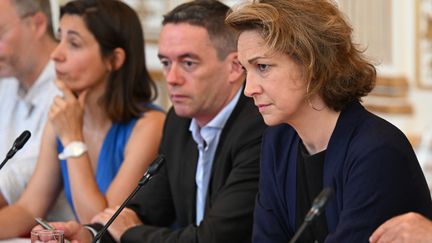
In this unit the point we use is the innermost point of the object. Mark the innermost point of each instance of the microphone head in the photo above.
(18, 144)
(155, 166)
(21, 140)
(322, 198)
(152, 170)
(318, 204)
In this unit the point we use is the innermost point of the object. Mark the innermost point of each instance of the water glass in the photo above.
(44, 235)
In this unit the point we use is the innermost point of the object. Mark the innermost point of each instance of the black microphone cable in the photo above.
(152, 170)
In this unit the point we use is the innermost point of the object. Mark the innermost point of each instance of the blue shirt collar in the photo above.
(218, 122)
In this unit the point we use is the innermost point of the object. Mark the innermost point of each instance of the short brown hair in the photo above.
(209, 14)
(316, 35)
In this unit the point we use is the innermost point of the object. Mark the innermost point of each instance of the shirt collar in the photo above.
(31, 96)
(47, 75)
(218, 122)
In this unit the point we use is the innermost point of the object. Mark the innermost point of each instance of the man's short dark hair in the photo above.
(209, 14)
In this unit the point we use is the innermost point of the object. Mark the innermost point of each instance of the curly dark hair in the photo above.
(317, 36)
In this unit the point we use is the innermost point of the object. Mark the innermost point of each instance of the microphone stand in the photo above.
(4, 162)
(9, 155)
(299, 232)
(317, 206)
(154, 167)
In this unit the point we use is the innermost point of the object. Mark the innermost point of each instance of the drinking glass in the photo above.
(44, 235)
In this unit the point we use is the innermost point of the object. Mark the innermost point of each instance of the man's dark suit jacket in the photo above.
(166, 204)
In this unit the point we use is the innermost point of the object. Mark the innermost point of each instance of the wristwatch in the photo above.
(73, 150)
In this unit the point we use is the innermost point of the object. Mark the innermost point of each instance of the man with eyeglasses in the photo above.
(26, 90)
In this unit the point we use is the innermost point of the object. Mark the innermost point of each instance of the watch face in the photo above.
(77, 150)
(73, 150)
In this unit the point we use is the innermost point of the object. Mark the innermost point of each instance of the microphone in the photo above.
(17, 145)
(316, 209)
(148, 175)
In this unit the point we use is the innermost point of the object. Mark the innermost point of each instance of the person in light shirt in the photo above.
(104, 130)
(26, 91)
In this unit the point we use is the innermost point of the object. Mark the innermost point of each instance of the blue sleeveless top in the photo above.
(110, 158)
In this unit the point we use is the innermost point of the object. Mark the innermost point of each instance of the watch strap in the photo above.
(73, 150)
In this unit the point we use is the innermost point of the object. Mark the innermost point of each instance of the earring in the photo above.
(308, 100)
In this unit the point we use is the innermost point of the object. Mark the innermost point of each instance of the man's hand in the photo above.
(410, 227)
(125, 220)
(73, 231)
